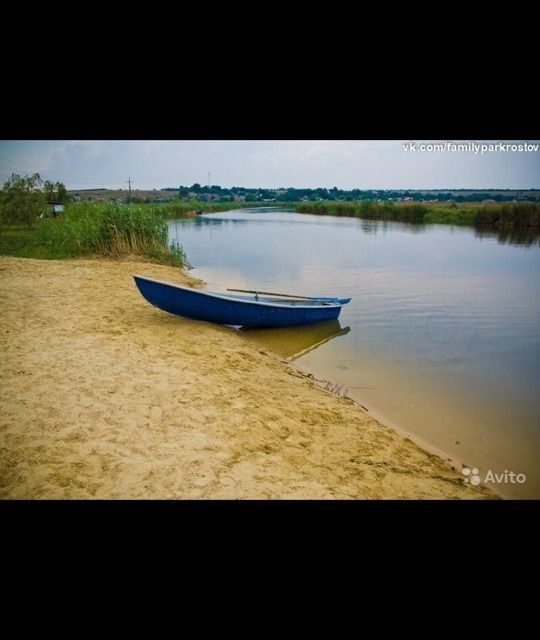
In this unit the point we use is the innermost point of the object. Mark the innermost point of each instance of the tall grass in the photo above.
(514, 214)
(179, 208)
(109, 229)
(368, 209)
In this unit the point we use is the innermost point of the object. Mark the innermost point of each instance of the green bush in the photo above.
(21, 200)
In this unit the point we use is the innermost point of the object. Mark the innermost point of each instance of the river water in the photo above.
(441, 339)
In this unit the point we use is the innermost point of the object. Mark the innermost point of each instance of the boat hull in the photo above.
(221, 309)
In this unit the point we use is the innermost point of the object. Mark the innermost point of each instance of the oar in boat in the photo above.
(281, 295)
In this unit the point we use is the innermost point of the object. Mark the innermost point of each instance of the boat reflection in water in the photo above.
(293, 342)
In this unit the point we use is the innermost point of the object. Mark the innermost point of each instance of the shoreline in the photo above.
(104, 396)
(449, 459)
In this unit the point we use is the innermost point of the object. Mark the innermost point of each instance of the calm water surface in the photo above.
(441, 338)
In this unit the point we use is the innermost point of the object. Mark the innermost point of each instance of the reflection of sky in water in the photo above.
(444, 322)
(281, 241)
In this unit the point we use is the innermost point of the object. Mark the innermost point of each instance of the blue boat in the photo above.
(245, 311)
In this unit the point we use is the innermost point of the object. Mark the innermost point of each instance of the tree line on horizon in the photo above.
(292, 194)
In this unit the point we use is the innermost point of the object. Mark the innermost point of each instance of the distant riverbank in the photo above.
(513, 214)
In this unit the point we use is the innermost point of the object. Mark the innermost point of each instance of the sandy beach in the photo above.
(104, 396)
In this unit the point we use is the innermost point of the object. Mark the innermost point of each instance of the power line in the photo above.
(28, 168)
(24, 166)
(71, 184)
(58, 174)
(7, 163)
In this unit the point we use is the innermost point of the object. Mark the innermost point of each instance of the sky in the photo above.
(346, 164)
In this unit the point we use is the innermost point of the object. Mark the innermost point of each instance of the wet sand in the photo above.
(104, 396)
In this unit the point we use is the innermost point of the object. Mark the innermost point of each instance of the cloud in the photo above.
(346, 164)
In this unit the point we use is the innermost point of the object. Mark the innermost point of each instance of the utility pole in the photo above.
(129, 197)
(209, 180)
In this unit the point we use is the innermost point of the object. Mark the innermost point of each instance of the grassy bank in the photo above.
(178, 210)
(108, 229)
(515, 214)
(95, 229)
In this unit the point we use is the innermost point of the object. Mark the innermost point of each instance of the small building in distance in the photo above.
(55, 208)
